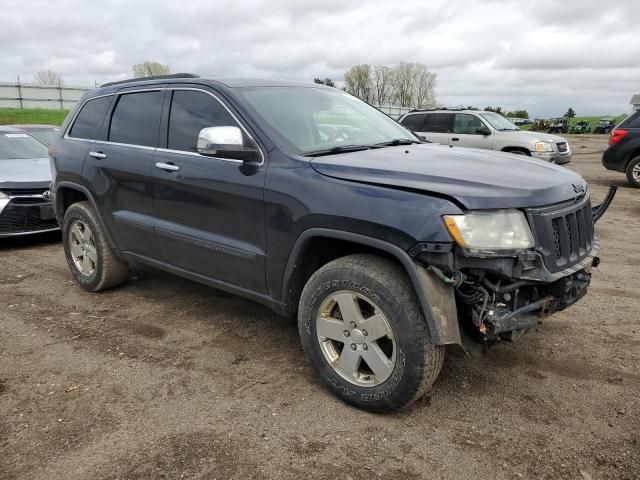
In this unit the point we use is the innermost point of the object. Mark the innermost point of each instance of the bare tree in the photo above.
(149, 69)
(383, 78)
(358, 82)
(424, 87)
(47, 77)
(403, 84)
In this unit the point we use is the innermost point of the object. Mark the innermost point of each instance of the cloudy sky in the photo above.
(542, 55)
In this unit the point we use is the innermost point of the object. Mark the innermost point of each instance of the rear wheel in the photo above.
(362, 328)
(88, 253)
(633, 172)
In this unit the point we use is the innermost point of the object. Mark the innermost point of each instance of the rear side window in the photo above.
(632, 121)
(437, 123)
(135, 119)
(414, 122)
(466, 124)
(192, 111)
(88, 123)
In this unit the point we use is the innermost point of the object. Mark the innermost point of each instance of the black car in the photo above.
(604, 125)
(383, 247)
(623, 153)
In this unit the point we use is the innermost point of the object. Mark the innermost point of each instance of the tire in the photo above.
(385, 302)
(88, 253)
(633, 172)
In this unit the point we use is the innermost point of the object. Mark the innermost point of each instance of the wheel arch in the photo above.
(510, 149)
(298, 271)
(68, 193)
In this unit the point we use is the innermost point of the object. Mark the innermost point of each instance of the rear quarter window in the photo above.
(88, 123)
(633, 121)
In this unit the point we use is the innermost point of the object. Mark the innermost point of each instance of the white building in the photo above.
(635, 101)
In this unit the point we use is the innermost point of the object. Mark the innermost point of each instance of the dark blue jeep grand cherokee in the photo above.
(310, 201)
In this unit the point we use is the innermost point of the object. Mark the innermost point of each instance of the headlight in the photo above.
(491, 231)
(544, 147)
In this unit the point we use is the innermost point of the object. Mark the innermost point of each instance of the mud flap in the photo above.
(441, 298)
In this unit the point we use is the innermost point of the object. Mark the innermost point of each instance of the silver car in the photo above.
(487, 130)
(25, 174)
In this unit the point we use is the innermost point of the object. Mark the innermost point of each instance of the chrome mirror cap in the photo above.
(215, 140)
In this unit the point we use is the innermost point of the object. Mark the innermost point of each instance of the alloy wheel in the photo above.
(83, 248)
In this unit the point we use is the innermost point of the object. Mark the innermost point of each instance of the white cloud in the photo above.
(544, 55)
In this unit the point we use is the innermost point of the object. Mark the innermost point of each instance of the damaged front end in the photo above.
(501, 296)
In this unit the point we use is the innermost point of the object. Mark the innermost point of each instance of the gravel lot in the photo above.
(167, 378)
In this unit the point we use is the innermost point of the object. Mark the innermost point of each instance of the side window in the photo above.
(135, 118)
(414, 122)
(88, 123)
(632, 121)
(466, 124)
(438, 123)
(192, 111)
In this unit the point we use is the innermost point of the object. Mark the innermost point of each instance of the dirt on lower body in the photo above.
(165, 378)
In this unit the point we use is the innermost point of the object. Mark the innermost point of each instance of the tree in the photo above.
(47, 77)
(358, 82)
(403, 84)
(570, 113)
(518, 114)
(149, 69)
(424, 87)
(325, 81)
(494, 109)
(383, 79)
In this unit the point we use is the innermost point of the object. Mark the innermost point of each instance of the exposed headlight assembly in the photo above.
(490, 232)
(544, 147)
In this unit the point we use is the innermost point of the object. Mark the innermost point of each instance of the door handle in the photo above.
(167, 167)
(97, 155)
(455, 139)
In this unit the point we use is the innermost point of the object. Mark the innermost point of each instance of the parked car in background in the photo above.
(559, 125)
(384, 247)
(45, 133)
(604, 125)
(623, 152)
(581, 126)
(25, 175)
(488, 130)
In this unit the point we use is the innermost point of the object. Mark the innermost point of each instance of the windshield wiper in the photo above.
(336, 150)
(394, 142)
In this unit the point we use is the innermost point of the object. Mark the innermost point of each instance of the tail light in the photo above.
(617, 135)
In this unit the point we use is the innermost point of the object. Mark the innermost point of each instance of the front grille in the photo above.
(564, 234)
(562, 147)
(25, 219)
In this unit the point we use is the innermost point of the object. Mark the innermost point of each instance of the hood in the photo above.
(535, 136)
(477, 179)
(26, 173)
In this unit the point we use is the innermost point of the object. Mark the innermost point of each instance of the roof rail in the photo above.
(157, 77)
(453, 109)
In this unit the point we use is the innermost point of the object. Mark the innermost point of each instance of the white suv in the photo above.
(488, 130)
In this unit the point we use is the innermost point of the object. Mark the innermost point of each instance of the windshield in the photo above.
(306, 120)
(45, 135)
(20, 145)
(498, 122)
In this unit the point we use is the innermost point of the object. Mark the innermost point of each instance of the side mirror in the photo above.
(483, 131)
(225, 142)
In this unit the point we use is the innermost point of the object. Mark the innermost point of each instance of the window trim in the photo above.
(160, 149)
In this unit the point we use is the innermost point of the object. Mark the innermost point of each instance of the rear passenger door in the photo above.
(117, 169)
(210, 210)
(437, 127)
(468, 131)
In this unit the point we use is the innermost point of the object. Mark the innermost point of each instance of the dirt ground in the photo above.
(165, 378)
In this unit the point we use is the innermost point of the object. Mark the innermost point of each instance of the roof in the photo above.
(635, 100)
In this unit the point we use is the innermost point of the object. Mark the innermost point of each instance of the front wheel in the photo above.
(363, 330)
(633, 172)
